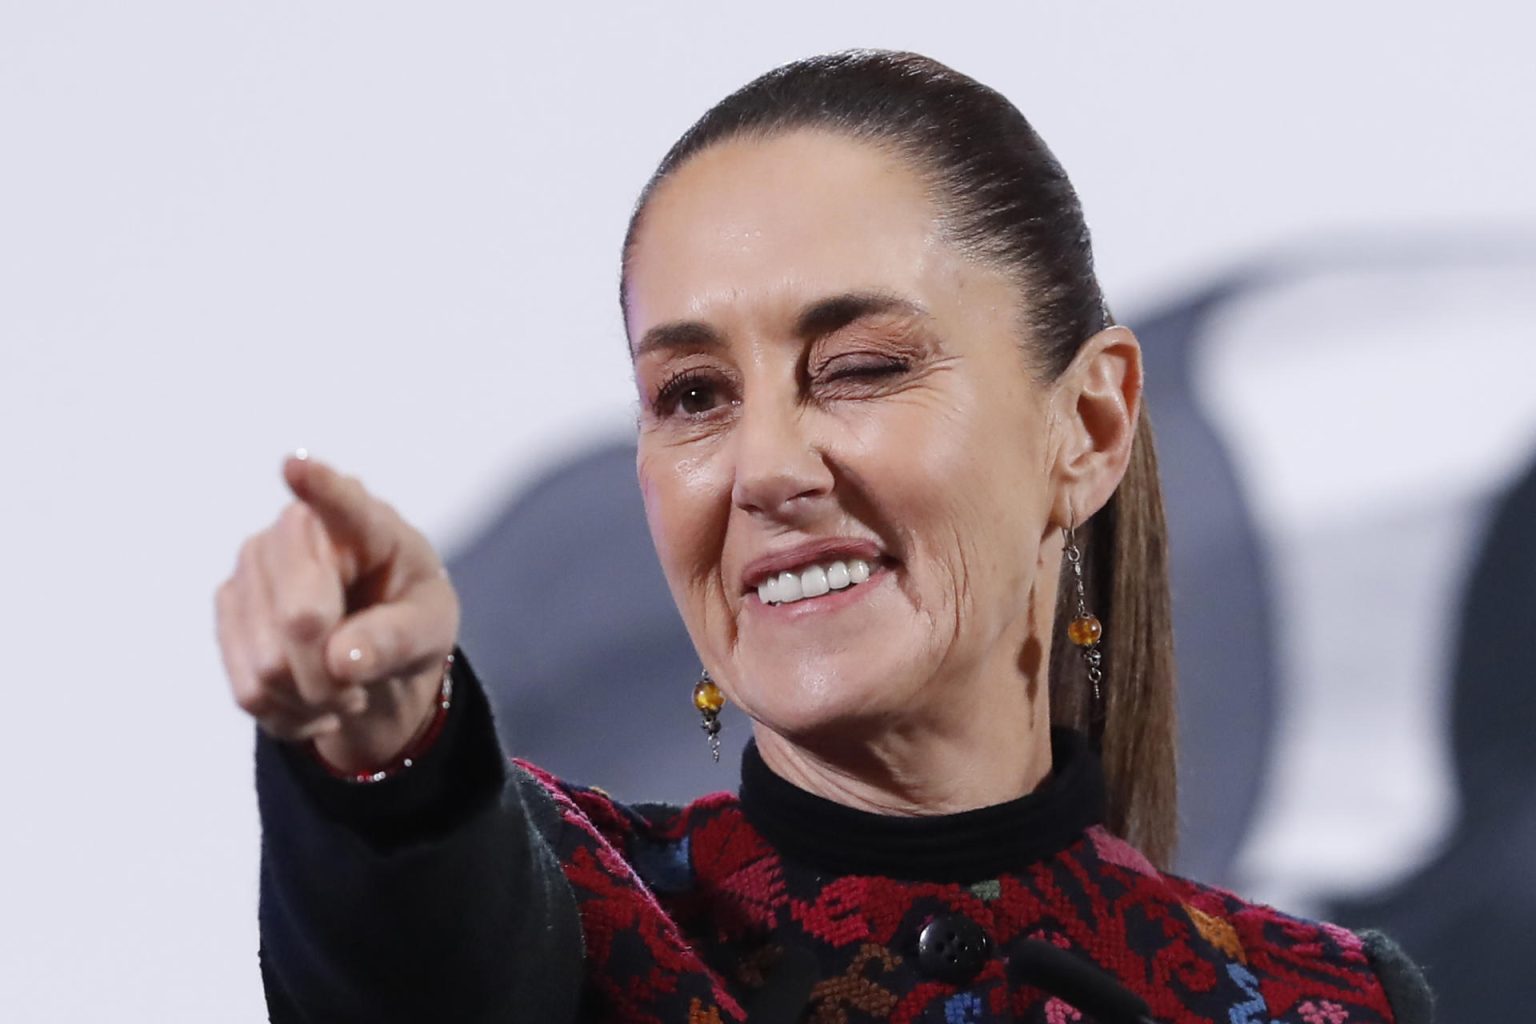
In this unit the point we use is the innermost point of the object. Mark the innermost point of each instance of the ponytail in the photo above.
(1125, 555)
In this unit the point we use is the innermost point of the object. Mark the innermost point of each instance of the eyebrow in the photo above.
(816, 320)
(681, 335)
(838, 311)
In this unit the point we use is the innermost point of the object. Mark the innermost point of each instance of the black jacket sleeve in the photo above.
(1407, 992)
(431, 896)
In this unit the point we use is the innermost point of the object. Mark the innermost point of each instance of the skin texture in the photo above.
(916, 424)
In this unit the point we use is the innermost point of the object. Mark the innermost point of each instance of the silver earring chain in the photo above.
(1093, 658)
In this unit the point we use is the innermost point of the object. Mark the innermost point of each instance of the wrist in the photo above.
(351, 760)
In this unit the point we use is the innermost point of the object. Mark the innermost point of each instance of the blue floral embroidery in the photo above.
(963, 1008)
(1254, 1010)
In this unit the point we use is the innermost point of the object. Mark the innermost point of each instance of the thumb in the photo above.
(400, 639)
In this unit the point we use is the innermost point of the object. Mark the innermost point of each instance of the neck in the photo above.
(833, 839)
(995, 749)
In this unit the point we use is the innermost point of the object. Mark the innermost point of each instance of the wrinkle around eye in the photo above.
(897, 339)
(878, 382)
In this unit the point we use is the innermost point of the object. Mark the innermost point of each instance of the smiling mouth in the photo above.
(813, 581)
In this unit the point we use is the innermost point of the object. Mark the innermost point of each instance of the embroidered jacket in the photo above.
(470, 889)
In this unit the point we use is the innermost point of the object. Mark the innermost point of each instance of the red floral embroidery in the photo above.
(654, 960)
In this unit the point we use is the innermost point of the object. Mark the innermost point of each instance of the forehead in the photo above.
(760, 227)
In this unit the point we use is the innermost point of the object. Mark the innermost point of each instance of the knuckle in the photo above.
(269, 666)
(254, 701)
(389, 640)
(302, 621)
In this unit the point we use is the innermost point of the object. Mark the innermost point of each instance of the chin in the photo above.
(842, 696)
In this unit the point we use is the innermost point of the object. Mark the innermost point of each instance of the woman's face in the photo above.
(828, 386)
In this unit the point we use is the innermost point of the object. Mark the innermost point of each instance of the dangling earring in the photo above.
(709, 700)
(1085, 631)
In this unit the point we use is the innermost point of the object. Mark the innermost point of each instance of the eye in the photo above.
(862, 366)
(691, 393)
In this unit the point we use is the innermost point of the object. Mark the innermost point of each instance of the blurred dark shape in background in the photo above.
(568, 620)
(1469, 915)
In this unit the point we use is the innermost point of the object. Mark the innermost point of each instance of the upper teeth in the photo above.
(788, 587)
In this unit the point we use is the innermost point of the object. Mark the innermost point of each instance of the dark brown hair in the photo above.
(1003, 199)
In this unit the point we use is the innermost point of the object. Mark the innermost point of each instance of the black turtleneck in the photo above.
(965, 847)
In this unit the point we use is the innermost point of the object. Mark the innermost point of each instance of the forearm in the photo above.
(430, 896)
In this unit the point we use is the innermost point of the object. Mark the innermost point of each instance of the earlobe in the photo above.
(1100, 404)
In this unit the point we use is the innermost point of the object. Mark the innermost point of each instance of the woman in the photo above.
(896, 468)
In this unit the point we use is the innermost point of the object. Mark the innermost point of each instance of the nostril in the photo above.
(777, 494)
(776, 470)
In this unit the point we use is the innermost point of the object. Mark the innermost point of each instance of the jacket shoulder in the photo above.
(1315, 969)
(1409, 993)
(625, 865)
(619, 823)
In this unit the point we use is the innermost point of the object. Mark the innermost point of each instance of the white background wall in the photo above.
(387, 231)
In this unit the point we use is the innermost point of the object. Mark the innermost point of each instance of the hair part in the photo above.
(1003, 199)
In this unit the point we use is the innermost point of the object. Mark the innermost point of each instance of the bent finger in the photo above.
(231, 627)
(298, 728)
(258, 676)
(398, 639)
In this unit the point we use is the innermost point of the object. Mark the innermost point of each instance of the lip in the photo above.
(827, 549)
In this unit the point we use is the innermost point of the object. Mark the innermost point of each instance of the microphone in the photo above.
(1076, 981)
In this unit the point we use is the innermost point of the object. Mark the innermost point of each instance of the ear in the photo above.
(1097, 404)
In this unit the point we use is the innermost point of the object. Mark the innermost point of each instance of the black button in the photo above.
(952, 948)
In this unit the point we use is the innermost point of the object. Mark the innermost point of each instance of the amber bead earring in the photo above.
(1085, 630)
(709, 700)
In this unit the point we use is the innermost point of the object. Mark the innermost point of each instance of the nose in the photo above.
(780, 469)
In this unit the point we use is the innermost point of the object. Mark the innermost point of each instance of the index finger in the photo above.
(362, 528)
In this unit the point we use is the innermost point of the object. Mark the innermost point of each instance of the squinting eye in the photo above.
(854, 369)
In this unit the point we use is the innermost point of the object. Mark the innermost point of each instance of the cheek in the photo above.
(967, 491)
(941, 461)
(684, 509)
